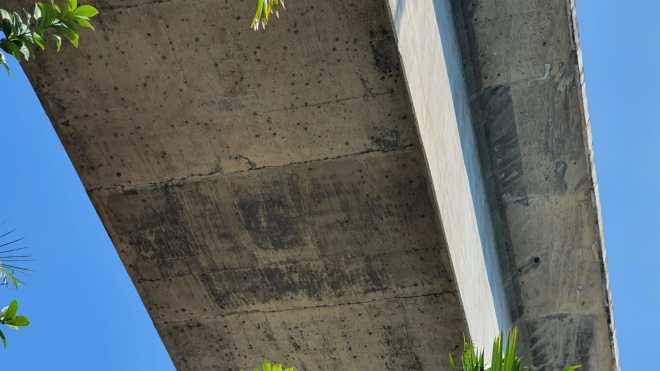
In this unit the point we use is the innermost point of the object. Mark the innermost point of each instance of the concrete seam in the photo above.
(253, 167)
(301, 308)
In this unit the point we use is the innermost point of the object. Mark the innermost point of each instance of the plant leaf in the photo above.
(72, 4)
(10, 312)
(83, 22)
(510, 356)
(3, 62)
(38, 40)
(257, 15)
(36, 13)
(86, 11)
(58, 42)
(19, 321)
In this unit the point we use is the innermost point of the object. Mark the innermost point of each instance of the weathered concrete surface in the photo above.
(432, 65)
(266, 192)
(524, 75)
(271, 198)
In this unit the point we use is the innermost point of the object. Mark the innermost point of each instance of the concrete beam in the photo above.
(525, 81)
(335, 214)
(432, 65)
(286, 217)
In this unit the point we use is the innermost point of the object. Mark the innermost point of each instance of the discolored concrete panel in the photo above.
(327, 232)
(392, 334)
(525, 76)
(265, 191)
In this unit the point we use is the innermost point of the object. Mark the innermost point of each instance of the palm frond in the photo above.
(11, 263)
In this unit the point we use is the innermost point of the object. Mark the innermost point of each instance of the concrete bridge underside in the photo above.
(278, 195)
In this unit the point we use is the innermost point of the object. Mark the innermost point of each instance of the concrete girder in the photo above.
(289, 194)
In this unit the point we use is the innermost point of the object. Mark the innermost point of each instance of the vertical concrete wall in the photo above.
(525, 81)
(432, 66)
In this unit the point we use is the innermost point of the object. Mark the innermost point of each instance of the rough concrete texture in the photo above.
(431, 60)
(269, 195)
(524, 75)
(266, 192)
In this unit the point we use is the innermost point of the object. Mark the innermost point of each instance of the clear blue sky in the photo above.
(85, 312)
(87, 315)
(621, 53)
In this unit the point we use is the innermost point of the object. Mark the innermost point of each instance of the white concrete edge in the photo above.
(431, 62)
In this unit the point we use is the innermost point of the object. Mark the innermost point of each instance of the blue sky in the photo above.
(87, 315)
(620, 50)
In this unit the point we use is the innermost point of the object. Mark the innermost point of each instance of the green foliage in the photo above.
(10, 265)
(10, 260)
(9, 317)
(47, 21)
(267, 366)
(266, 8)
(503, 358)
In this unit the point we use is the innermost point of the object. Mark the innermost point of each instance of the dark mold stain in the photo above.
(384, 52)
(268, 219)
(560, 339)
(497, 120)
(385, 139)
(560, 175)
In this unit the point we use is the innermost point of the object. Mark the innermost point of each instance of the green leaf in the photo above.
(25, 51)
(37, 12)
(5, 15)
(257, 15)
(510, 355)
(83, 22)
(55, 7)
(452, 363)
(572, 368)
(38, 40)
(496, 362)
(4, 339)
(86, 11)
(69, 34)
(72, 4)
(9, 312)
(3, 62)
(58, 42)
(19, 321)
(267, 366)
(5, 274)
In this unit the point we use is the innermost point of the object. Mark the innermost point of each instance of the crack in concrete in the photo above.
(369, 95)
(252, 164)
(307, 307)
(218, 173)
(284, 263)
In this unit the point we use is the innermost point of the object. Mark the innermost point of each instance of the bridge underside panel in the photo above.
(266, 192)
(316, 262)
